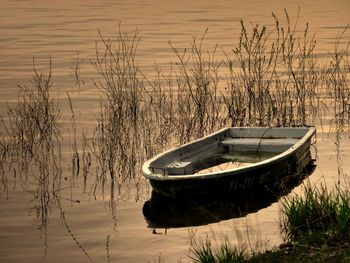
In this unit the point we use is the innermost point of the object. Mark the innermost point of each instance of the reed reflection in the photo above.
(31, 148)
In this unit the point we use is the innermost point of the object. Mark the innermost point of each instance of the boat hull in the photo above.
(262, 176)
(165, 212)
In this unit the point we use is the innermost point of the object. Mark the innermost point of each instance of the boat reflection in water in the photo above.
(167, 212)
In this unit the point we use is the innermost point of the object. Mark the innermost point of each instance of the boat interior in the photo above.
(231, 148)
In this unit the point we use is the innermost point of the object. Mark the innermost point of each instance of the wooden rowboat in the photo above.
(230, 159)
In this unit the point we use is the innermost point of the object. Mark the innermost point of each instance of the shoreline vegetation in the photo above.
(315, 225)
(272, 77)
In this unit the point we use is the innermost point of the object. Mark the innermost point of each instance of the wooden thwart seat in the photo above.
(259, 144)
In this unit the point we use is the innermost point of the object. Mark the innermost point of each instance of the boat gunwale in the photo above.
(146, 169)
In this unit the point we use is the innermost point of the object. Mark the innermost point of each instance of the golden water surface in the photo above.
(96, 228)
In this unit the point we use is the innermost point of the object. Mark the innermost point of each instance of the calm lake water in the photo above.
(97, 228)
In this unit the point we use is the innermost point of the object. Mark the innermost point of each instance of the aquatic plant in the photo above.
(204, 252)
(317, 216)
(32, 124)
(273, 77)
(30, 144)
(197, 81)
(117, 134)
(75, 154)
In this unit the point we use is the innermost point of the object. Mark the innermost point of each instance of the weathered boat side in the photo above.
(165, 212)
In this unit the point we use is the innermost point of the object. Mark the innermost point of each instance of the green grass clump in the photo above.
(294, 253)
(317, 217)
(316, 224)
(204, 252)
(304, 254)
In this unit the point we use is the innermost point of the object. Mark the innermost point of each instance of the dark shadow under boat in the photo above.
(168, 212)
